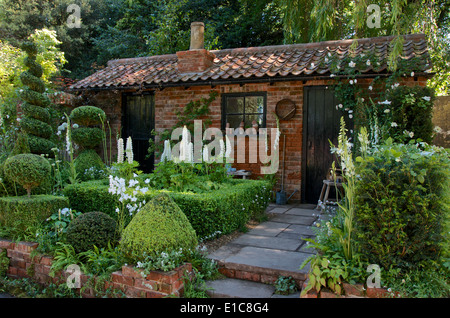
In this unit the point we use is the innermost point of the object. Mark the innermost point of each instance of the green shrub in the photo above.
(36, 127)
(30, 48)
(28, 170)
(92, 229)
(87, 116)
(217, 211)
(22, 213)
(40, 145)
(402, 204)
(10, 188)
(32, 81)
(87, 137)
(91, 195)
(21, 145)
(36, 118)
(37, 112)
(34, 98)
(87, 159)
(160, 226)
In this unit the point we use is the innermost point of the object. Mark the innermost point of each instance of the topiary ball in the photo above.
(87, 116)
(92, 228)
(160, 226)
(87, 137)
(28, 170)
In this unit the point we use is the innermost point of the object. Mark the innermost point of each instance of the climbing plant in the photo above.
(193, 110)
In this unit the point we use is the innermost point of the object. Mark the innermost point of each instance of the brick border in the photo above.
(129, 280)
(258, 274)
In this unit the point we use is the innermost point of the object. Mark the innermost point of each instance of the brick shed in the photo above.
(141, 94)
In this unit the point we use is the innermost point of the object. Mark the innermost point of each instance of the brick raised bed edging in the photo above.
(349, 291)
(129, 280)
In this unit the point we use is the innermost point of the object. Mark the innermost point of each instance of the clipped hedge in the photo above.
(224, 210)
(22, 212)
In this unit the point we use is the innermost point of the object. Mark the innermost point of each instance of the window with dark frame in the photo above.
(245, 107)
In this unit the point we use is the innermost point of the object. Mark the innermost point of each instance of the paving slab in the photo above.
(280, 243)
(269, 228)
(303, 212)
(270, 258)
(301, 230)
(279, 210)
(222, 253)
(294, 219)
(236, 288)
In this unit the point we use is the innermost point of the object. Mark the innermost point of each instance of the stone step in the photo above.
(263, 265)
(238, 288)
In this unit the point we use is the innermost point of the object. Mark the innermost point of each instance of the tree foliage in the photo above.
(321, 20)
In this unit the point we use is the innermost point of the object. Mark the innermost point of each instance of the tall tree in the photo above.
(319, 20)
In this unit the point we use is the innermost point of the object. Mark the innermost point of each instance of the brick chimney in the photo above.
(197, 59)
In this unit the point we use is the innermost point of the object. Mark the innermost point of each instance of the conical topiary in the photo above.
(36, 119)
(160, 226)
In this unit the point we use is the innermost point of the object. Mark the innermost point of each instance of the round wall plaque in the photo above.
(285, 109)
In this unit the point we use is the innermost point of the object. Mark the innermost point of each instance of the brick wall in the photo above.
(156, 284)
(170, 99)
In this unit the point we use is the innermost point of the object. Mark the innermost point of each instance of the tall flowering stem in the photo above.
(69, 149)
(346, 206)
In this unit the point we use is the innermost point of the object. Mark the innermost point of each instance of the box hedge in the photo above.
(223, 210)
(24, 212)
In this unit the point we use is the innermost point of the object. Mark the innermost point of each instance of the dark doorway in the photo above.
(138, 122)
(321, 123)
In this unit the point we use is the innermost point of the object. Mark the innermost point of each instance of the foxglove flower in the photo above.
(129, 150)
(120, 150)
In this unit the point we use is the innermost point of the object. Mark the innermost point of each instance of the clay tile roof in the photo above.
(270, 62)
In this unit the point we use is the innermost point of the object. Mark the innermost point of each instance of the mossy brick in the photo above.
(26, 247)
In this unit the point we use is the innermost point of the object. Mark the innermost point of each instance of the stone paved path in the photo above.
(274, 247)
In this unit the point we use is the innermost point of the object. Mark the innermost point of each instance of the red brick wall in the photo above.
(170, 99)
(129, 280)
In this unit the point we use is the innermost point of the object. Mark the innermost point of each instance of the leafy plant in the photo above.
(326, 270)
(64, 255)
(103, 261)
(4, 263)
(285, 285)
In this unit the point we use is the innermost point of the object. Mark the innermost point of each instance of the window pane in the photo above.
(235, 105)
(250, 118)
(234, 120)
(254, 104)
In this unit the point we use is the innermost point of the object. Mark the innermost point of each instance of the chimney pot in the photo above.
(197, 36)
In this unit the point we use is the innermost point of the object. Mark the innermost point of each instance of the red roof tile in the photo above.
(310, 59)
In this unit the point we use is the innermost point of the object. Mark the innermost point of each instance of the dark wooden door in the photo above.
(321, 122)
(138, 122)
